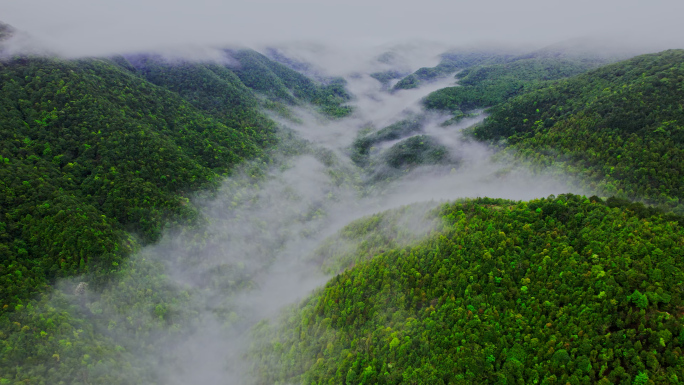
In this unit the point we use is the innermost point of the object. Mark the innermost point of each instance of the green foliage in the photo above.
(95, 156)
(126, 327)
(427, 74)
(361, 147)
(465, 58)
(281, 83)
(93, 150)
(366, 237)
(617, 128)
(385, 77)
(641, 379)
(209, 87)
(98, 155)
(450, 62)
(435, 312)
(416, 150)
(491, 84)
(410, 81)
(384, 160)
(639, 299)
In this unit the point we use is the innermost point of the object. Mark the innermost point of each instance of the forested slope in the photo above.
(96, 157)
(450, 62)
(281, 83)
(390, 152)
(486, 85)
(618, 127)
(362, 146)
(558, 290)
(426, 74)
(88, 151)
(93, 150)
(210, 87)
(552, 291)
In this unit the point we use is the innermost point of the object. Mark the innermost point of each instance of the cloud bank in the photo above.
(86, 27)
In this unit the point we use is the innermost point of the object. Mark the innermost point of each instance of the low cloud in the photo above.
(253, 255)
(251, 258)
(87, 28)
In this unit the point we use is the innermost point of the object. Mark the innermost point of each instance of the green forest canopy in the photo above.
(97, 155)
(487, 85)
(552, 291)
(619, 128)
(93, 150)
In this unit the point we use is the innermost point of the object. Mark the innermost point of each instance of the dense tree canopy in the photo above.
(558, 290)
(619, 128)
(490, 84)
(385, 77)
(426, 74)
(98, 156)
(281, 83)
(450, 62)
(89, 150)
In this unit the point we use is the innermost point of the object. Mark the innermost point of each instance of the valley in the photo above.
(483, 218)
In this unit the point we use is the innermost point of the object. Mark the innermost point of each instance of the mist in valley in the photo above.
(257, 249)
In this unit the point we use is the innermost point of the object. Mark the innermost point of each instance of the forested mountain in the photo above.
(488, 78)
(450, 62)
(619, 127)
(388, 153)
(558, 290)
(552, 291)
(92, 150)
(362, 145)
(101, 156)
(490, 84)
(426, 74)
(385, 77)
(281, 83)
(98, 156)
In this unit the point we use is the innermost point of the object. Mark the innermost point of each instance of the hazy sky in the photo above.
(101, 26)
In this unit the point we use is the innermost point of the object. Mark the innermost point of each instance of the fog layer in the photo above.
(253, 255)
(84, 27)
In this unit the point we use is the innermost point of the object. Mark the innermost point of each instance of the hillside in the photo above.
(399, 130)
(93, 151)
(450, 62)
(90, 151)
(558, 290)
(389, 153)
(618, 127)
(487, 85)
(279, 82)
(152, 214)
(426, 74)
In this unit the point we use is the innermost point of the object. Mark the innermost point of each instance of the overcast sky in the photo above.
(89, 27)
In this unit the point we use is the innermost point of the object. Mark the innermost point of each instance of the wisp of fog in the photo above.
(251, 257)
(255, 249)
